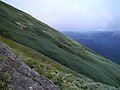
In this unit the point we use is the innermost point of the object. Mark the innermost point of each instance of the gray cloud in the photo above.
(72, 14)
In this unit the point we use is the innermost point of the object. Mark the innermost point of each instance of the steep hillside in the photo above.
(52, 46)
(15, 75)
(63, 77)
(106, 43)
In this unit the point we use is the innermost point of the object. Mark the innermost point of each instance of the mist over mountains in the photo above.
(106, 43)
(35, 56)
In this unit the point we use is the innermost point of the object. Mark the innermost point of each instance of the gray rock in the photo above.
(22, 77)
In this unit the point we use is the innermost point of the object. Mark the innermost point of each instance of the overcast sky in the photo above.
(72, 15)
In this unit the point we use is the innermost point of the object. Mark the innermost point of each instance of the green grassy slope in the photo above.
(26, 30)
(63, 77)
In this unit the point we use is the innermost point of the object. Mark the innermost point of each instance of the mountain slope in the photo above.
(106, 43)
(18, 76)
(63, 77)
(26, 30)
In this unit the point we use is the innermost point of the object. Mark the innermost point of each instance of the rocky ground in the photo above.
(16, 75)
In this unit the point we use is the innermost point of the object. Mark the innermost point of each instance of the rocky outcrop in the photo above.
(21, 76)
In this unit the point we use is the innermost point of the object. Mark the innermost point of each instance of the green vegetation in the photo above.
(2, 58)
(63, 77)
(53, 55)
(4, 81)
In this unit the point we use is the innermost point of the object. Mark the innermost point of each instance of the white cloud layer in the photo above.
(71, 14)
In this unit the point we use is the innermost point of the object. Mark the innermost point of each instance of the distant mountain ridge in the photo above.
(68, 64)
(105, 43)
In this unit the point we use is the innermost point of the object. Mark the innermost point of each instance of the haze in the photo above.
(72, 15)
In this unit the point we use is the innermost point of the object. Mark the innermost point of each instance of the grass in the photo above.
(3, 58)
(63, 77)
(4, 81)
(50, 45)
